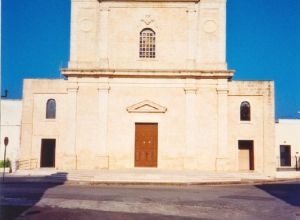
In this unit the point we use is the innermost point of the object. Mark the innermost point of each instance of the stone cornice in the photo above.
(148, 0)
(145, 73)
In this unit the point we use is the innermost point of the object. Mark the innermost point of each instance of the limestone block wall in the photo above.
(200, 127)
(173, 148)
(90, 137)
(121, 123)
(260, 95)
(35, 126)
(189, 34)
(199, 130)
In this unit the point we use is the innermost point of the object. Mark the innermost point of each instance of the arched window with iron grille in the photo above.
(147, 43)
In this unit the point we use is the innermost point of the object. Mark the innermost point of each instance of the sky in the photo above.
(263, 43)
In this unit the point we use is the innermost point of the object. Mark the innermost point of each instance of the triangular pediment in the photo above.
(146, 107)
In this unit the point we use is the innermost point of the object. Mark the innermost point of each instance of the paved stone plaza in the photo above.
(56, 201)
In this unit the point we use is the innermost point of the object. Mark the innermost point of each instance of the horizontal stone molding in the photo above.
(190, 90)
(149, 1)
(72, 87)
(149, 73)
(103, 87)
(222, 91)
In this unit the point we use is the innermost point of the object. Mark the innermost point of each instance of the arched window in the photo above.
(245, 111)
(147, 43)
(51, 108)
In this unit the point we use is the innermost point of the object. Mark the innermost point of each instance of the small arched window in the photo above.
(51, 108)
(245, 111)
(147, 43)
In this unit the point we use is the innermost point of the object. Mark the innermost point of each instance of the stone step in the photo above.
(143, 176)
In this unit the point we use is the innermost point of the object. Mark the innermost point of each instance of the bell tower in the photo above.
(189, 35)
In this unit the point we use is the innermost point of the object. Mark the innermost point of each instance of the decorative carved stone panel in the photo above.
(146, 107)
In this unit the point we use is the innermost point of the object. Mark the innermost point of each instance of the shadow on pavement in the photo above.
(288, 192)
(19, 194)
(49, 213)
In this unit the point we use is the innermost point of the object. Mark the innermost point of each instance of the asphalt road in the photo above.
(54, 201)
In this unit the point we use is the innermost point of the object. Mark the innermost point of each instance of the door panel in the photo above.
(145, 145)
(246, 155)
(244, 159)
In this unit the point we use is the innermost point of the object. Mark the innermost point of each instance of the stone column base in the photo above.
(102, 162)
(270, 169)
(104, 63)
(190, 63)
(222, 164)
(190, 163)
(69, 162)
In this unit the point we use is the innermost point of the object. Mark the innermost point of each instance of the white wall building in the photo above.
(287, 143)
(11, 112)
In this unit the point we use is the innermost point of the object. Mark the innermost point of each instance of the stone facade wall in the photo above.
(188, 34)
(260, 95)
(123, 93)
(35, 126)
(189, 132)
(186, 89)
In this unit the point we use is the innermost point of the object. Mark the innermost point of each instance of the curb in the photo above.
(213, 183)
(132, 183)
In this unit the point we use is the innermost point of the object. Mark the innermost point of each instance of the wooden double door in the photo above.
(146, 144)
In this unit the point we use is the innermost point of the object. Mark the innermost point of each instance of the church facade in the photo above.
(147, 85)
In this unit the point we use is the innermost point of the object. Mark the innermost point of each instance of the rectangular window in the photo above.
(285, 155)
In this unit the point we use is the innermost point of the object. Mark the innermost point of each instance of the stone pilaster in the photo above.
(103, 96)
(103, 37)
(222, 157)
(70, 151)
(211, 53)
(75, 7)
(192, 37)
(269, 155)
(191, 127)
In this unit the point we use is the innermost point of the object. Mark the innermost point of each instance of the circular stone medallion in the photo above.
(210, 26)
(86, 25)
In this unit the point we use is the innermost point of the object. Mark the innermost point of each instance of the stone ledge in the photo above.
(151, 73)
(148, 0)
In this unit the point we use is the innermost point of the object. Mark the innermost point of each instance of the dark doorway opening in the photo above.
(285, 155)
(246, 155)
(48, 153)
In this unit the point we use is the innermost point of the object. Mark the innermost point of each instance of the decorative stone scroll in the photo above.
(147, 20)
